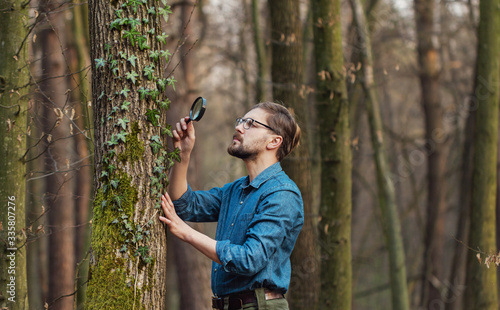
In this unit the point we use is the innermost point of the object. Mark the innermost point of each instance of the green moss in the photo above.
(109, 286)
(134, 148)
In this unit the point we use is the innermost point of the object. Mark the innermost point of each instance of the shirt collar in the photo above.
(263, 176)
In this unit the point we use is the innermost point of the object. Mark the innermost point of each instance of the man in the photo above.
(259, 216)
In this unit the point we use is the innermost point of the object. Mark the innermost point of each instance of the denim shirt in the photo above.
(258, 224)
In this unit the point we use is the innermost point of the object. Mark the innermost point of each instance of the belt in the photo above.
(237, 300)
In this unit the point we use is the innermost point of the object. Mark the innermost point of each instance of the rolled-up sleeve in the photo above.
(199, 206)
(279, 216)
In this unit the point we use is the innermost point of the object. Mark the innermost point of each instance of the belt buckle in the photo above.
(217, 303)
(235, 303)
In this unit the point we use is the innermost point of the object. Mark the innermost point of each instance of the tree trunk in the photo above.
(287, 77)
(128, 255)
(193, 268)
(386, 195)
(481, 290)
(260, 50)
(81, 95)
(59, 155)
(429, 71)
(14, 77)
(336, 160)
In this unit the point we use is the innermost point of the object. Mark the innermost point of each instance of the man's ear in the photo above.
(275, 143)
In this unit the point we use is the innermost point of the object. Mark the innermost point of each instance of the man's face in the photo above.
(248, 143)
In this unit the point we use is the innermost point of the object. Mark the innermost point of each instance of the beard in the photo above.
(242, 151)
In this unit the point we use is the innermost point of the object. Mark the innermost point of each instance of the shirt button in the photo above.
(241, 202)
(215, 270)
(232, 224)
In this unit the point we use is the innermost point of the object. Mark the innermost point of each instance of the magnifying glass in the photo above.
(197, 109)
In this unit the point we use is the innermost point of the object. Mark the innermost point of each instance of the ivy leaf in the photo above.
(111, 168)
(166, 131)
(113, 140)
(154, 93)
(116, 24)
(125, 92)
(149, 71)
(142, 42)
(104, 203)
(133, 22)
(162, 83)
(123, 55)
(154, 54)
(115, 221)
(114, 183)
(145, 20)
(165, 104)
(171, 82)
(123, 248)
(104, 174)
(132, 60)
(175, 155)
(158, 169)
(119, 13)
(131, 35)
(122, 136)
(162, 38)
(152, 116)
(123, 122)
(99, 62)
(165, 11)
(131, 76)
(165, 54)
(152, 10)
(118, 200)
(125, 105)
(143, 91)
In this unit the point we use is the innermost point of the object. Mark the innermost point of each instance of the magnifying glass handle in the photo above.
(188, 121)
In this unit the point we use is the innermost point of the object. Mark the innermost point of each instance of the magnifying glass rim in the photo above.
(202, 110)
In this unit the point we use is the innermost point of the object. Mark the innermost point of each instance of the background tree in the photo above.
(481, 291)
(287, 87)
(386, 195)
(335, 148)
(14, 96)
(128, 252)
(429, 72)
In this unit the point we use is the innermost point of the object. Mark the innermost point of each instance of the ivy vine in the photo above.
(138, 33)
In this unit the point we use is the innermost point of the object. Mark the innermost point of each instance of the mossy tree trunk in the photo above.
(386, 194)
(336, 161)
(128, 247)
(287, 88)
(14, 77)
(481, 290)
(429, 71)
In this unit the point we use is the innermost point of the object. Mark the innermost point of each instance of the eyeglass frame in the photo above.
(243, 121)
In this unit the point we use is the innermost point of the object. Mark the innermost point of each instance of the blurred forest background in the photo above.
(407, 80)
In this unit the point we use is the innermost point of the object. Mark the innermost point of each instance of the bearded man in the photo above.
(259, 216)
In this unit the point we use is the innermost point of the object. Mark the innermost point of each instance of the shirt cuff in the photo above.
(223, 253)
(183, 201)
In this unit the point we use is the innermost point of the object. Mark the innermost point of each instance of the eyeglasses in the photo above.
(248, 123)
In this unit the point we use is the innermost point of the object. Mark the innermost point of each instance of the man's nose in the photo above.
(240, 128)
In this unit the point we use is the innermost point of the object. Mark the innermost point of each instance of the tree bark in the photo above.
(128, 255)
(481, 290)
(429, 71)
(287, 77)
(336, 159)
(14, 77)
(386, 195)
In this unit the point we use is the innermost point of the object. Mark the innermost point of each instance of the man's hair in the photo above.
(284, 124)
